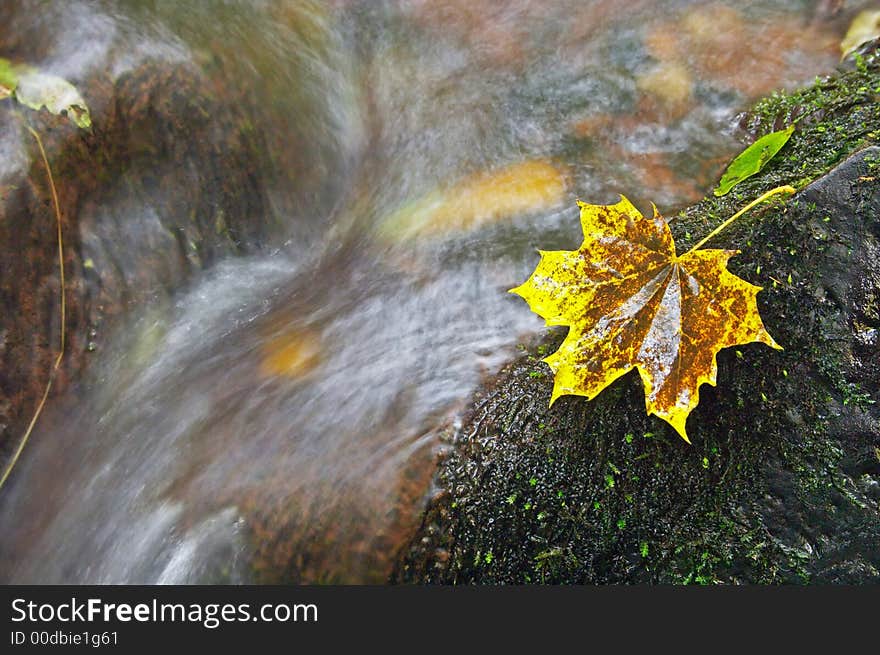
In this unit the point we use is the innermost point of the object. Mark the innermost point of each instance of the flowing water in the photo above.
(278, 419)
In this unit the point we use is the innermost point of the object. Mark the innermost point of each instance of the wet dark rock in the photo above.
(780, 484)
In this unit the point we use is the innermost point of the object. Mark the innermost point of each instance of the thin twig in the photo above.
(60, 356)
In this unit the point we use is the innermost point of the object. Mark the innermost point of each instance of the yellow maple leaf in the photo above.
(631, 302)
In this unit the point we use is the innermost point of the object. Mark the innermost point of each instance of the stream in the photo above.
(278, 419)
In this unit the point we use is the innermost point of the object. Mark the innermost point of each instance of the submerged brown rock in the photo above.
(164, 185)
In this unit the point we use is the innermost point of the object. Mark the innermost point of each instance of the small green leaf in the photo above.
(753, 159)
(8, 76)
(36, 89)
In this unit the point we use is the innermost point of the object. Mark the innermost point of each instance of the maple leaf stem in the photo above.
(772, 192)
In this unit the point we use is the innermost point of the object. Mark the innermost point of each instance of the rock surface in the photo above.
(782, 482)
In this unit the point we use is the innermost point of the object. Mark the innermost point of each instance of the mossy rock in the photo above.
(782, 482)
